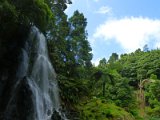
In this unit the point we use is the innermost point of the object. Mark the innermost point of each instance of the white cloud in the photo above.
(157, 45)
(104, 10)
(130, 32)
(96, 62)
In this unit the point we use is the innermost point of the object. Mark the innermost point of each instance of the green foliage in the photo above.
(72, 90)
(113, 58)
(102, 63)
(70, 54)
(99, 109)
(78, 44)
(153, 98)
(121, 94)
(114, 88)
(153, 77)
(132, 68)
(140, 65)
(57, 35)
(24, 12)
(68, 45)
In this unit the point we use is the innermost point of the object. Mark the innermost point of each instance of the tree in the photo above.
(102, 63)
(106, 78)
(27, 12)
(57, 37)
(153, 97)
(145, 48)
(78, 48)
(113, 58)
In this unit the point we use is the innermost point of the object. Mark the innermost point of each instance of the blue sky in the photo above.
(120, 26)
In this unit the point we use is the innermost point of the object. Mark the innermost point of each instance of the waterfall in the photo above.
(42, 81)
(37, 72)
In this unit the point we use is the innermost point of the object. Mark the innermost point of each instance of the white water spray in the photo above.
(40, 77)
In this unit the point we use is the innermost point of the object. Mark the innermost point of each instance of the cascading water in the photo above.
(42, 81)
(37, 72)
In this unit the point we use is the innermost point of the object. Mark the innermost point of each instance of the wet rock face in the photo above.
(56, 116)
(20, 105)
(9, 60)
(6, 84)
(24, 102)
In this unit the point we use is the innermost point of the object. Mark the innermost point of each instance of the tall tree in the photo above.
(57, 37)
(79, 50)
(102, 63)
(113, 58)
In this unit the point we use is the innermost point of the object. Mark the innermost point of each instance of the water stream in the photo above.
(36, 70)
